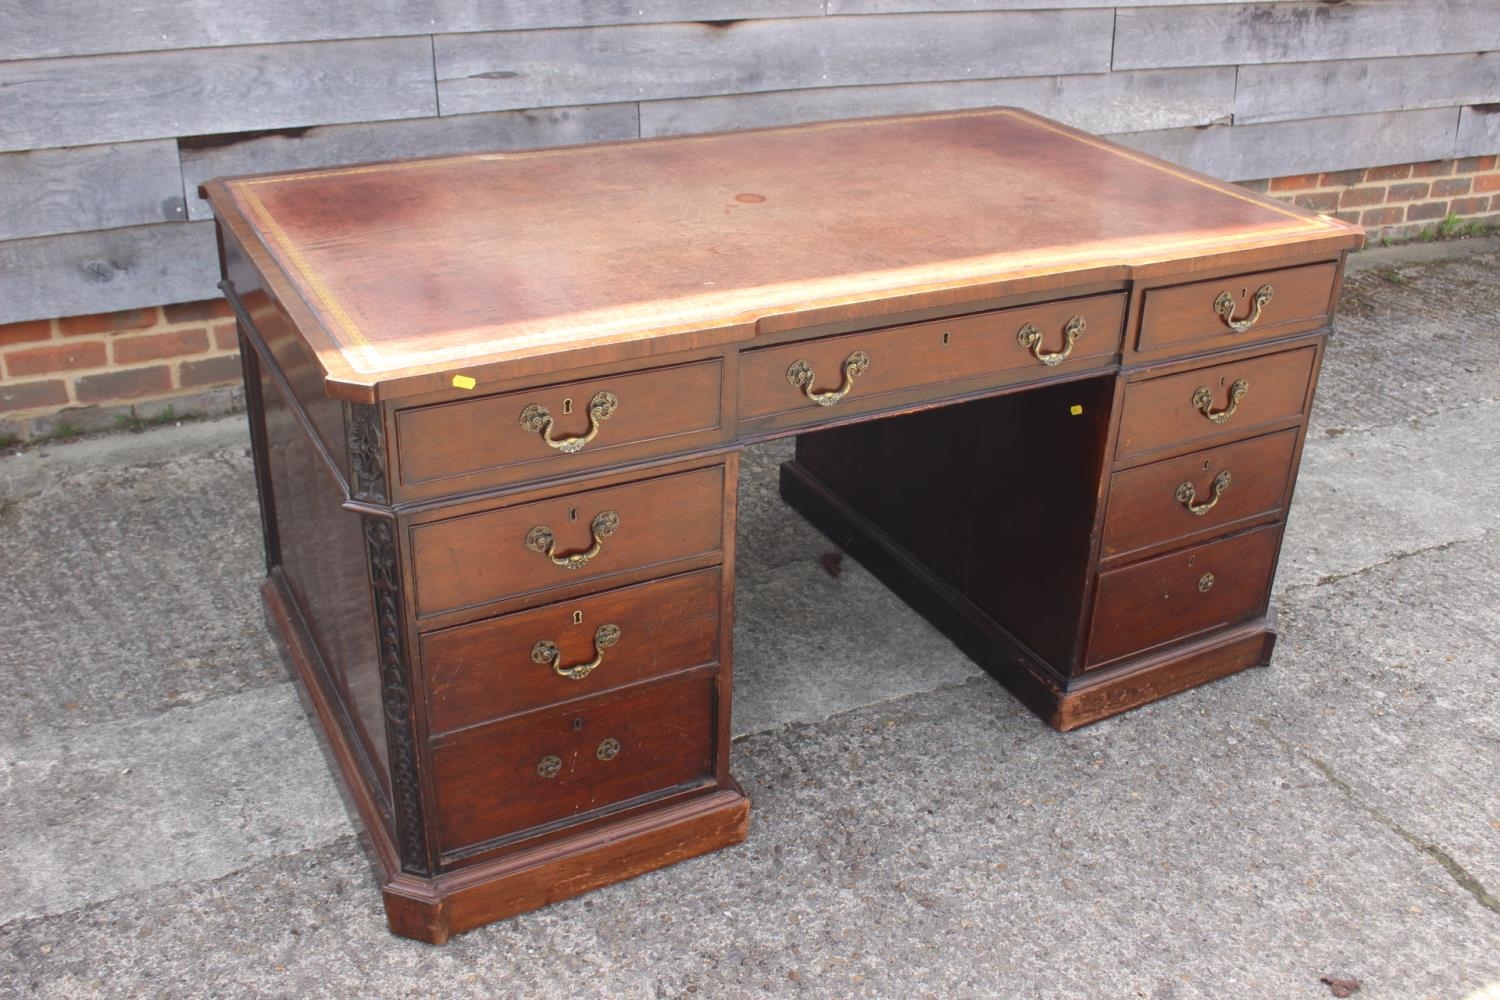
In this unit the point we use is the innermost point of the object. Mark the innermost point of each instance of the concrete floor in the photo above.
(169, 827)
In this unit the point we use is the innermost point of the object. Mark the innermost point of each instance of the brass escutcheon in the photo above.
(608, 749)
(549, 766)
(540, 539)
(537, 419)
(1203, 401)
(546, 653)
(1030, 338)
(800, 375)
(1186, 494)
(1224, 306)
(1205, 583)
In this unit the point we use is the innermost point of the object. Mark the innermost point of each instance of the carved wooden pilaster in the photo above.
(367, 479)
(395, 692)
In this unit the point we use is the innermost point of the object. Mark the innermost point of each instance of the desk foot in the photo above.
(1064, 703)
(433, 909)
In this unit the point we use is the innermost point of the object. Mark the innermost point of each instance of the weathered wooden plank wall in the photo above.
(108, 124)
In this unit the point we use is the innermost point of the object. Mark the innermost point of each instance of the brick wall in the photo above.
(1406, 201)
(104, 371)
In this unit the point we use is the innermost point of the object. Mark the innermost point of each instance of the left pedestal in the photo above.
(549, 716)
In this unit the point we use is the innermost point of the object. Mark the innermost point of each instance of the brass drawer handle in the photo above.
(1030, 338)
(537, 419)
(1205, 583)
(1186, 494)
(546, 653)
(608, 749)
(800, 375)
(549, 766)
(1224, 306)
(1203, 401)
(540, 539)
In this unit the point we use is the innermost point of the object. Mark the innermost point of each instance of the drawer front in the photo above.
(1242, 308)
(541, 432)
(574, 760)
(870, 365)
(468, 561)
(1182, 594)
(1202, 493)
(1228, 400)
(532, 659)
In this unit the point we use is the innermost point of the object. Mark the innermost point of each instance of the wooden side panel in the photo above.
(1363, 86)
(96, 187)
(206, 157)
(1094, 102)
(323, 560)
(74, 27)
(1276, 149)
(1303, 32)
(129, 268)
(115, 98)
(487, 72)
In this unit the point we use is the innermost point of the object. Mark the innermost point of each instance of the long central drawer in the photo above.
(797, 382)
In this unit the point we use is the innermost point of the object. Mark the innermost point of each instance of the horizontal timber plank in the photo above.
(98, 99)
(1094, 102)
(74, 27)
(334, 145)
(494, 71)
(50, 191)
(1278, 149)
(103, 271)
(1478, 131)
(1360, 86)
(1242, 34)
(909, 6)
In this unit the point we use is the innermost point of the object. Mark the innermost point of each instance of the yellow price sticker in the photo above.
(1076, 410)
(464, 382)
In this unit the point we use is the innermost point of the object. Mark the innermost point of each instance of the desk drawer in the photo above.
(575, 760)
(854, 371)
(530, 548)
(541, 432)
(494, 668)
(1227, 400)
(1242, 308)
(1183, 594)
(1201, 493)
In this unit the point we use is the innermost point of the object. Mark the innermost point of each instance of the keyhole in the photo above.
(946, 335)
(578, 618)
(572, 513)
(567, 406)
(1221, 380)
(577, 725)
(1244, 292)
(1205, 466)
(1192, 561)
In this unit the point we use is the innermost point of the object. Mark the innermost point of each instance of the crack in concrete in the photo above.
(1333, 578)
(1449, 863)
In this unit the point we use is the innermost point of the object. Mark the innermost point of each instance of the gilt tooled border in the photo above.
(395, 693)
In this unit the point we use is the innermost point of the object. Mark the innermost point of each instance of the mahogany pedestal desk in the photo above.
(1052, 391)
